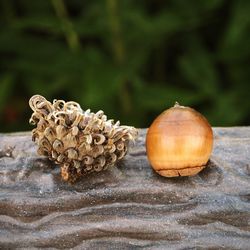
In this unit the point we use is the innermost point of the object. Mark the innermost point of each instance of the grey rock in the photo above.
(128, 206)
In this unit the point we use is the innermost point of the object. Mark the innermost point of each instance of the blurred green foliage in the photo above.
(132, 59)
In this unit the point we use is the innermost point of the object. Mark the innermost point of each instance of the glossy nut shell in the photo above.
(179, 142)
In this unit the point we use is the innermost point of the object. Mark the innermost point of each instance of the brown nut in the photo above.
(179, 142)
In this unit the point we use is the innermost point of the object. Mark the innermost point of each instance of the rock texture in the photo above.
(128, 206)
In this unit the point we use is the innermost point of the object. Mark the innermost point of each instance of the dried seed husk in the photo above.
(79, 141)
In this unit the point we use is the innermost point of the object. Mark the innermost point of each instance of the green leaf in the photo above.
(198, 69)
(6, 84)
(159, 97)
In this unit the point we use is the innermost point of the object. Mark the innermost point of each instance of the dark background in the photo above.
(132, 59)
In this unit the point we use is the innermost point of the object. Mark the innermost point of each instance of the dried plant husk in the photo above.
(79, 141)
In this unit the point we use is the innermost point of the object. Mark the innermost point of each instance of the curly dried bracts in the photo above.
(79, 141)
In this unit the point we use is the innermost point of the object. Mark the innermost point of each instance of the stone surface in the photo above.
(128, 206)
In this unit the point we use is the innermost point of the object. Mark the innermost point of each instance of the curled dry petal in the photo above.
(49, 134)
(58, 105)
(87, 160)
(58, 146)
(104, 118)
(35, 101)
(34, 119)
(69, 140)
(35, 135)
(111, 158)
(76, 164)
(72, 106)
(71, 153)
(110, 148)
(61, 158)
(120, 145)
(44, 143)
(120, 154)
(42, 151)
(99, 139)
(117, 124)
(41, 105)
(89, 168)
(99, 163)
(97, 150)
(54, 154)
(99, 114)
(75, 130)
(61, 131)
(84, 149)
(77, 120)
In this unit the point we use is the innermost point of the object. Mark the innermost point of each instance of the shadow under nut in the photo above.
(189, 171)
